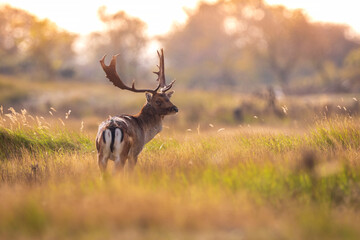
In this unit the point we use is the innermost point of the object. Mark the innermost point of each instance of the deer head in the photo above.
(158, 99)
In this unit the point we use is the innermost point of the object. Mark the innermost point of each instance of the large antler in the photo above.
(112, 75)
(161, 74)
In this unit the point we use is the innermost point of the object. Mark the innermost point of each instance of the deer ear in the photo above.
(169, 94)
(148, 97)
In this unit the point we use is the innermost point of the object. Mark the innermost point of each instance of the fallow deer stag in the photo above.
(123, 137)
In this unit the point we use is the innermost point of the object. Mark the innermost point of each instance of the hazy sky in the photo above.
(338, 11)
(81, 16)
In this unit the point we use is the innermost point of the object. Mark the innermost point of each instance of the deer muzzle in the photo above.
(174, 109)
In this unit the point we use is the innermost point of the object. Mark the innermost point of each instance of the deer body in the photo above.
(123, 137)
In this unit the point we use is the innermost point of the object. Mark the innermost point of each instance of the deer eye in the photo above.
(158, 102)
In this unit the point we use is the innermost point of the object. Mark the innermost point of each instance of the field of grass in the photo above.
(241, 182)
(92, 102)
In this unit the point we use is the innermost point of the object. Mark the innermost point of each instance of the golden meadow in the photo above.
(205, 176)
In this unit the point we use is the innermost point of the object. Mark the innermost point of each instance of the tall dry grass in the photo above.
(238, 183)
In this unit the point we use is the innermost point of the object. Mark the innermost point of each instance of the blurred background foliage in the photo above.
(34, 47)
(246, 43)
(237, 44)
(233, 48)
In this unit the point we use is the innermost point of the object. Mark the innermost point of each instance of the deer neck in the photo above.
(150, 121)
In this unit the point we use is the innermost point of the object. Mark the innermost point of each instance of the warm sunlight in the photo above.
(258, 137)
(345, 11)
(81, 16)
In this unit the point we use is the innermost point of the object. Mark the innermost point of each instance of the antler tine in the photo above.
(112, 75)
(161, 73)
(167, 87)
(161, 69)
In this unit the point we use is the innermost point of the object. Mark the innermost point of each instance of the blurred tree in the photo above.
(35, 46)
(123, 35)
(327, 46)
(229, 42)
(283, 36)
(351, 70)
(50, 49)
(200, 52)
(244, 42)
(15, 26)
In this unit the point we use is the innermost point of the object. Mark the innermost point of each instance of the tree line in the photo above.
(32, 46)
(238, 44)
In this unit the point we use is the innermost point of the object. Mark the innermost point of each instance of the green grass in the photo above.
(39, 141)
(237, 183)
(342, 133)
